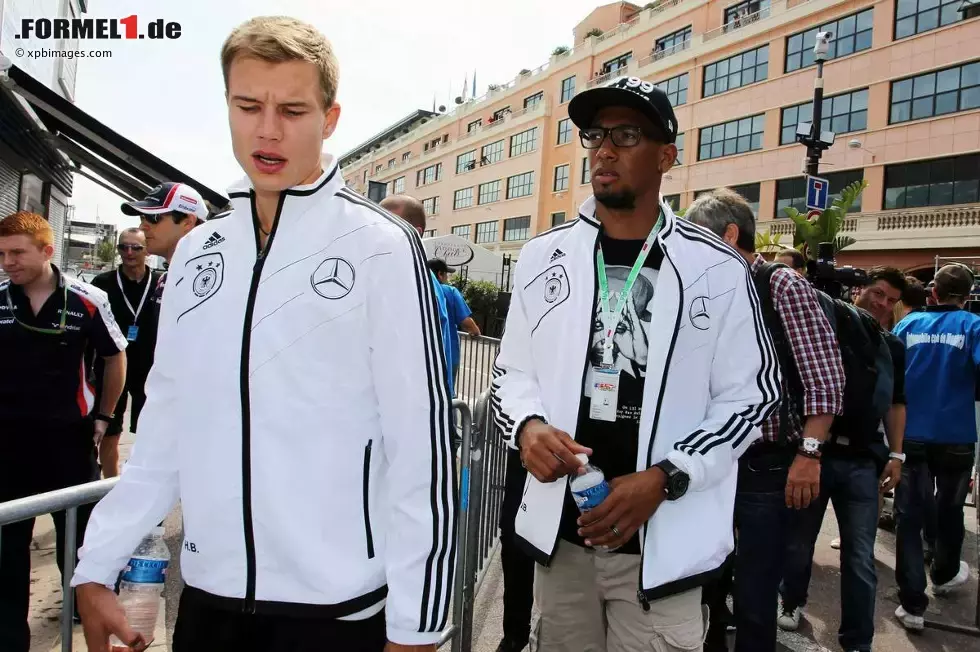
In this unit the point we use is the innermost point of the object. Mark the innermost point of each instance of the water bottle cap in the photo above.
(582, 457)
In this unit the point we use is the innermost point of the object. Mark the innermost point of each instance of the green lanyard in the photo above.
(610, 320)
(46, 331)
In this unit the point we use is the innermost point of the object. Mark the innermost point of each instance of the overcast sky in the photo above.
(168, 96)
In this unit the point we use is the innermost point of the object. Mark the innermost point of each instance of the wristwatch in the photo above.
(677, 480)
(810, 447)
(102, 416)
(897, 456)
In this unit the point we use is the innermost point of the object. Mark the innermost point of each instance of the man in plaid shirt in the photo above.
(782, 470)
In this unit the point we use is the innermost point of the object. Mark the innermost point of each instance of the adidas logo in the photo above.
(214, 240)
(558, 254)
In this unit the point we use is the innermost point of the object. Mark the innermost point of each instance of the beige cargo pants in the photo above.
(588, 603)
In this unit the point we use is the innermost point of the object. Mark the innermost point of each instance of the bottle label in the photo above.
(591, 497)
(146, 571)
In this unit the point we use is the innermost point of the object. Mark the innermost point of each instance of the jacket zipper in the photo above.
(367, 486)
(641, 596)
(261, 255)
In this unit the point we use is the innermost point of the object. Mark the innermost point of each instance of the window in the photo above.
(737, 71)
(561, 178)
(676, 89)
(445, 138)
(733, 137)
(679, 142)
(377, 168)
(851, 34)
(939, 182)
(391, 162)
(429, 233)
(364, 178)
(557, 218)
(586, 170)
(619, 63)
(500, 113)
(671, 41)
(792, 192)
(936, 93)
(564, 131)
(462, 231)
(517, 228)
(398, 186)
(674, 201)
(917, 16)
(737, 13)
(473, 126)
(492, 153)
(466, 162)
(530, 103)
(489, 192)
(520, 185)
(431, 205)
(463, 198)
(524, 142)
(567, 88)
(840, 114)
(486, 232)
(406, 156)
(430, 174)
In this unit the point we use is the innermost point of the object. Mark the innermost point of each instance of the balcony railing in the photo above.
(738, 23)
(602, 79)
(666, 52)
(506, 118)
(928, 218)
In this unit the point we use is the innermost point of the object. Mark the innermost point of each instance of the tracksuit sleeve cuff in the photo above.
(512, 440)
(406, 637)
(89, 574)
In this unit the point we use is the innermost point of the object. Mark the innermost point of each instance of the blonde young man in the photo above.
(308, 441)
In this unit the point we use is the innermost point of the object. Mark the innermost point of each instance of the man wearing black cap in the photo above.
(460, 315)
(636, 339)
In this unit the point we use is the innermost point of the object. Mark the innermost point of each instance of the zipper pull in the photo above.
(643, 600)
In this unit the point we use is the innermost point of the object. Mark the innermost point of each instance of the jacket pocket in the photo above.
(368, 536)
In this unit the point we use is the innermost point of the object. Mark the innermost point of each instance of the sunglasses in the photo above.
(135, 248)
(178, 217)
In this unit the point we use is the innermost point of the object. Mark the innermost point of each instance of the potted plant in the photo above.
(595, 31)
(524, 72)
(561, 50)
(493, 87)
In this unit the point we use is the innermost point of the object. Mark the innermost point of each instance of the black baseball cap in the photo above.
(167, 198)
(631, 92)
(439, 266)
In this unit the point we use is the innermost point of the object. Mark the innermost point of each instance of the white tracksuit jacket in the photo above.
(712, 379)
(298, 408)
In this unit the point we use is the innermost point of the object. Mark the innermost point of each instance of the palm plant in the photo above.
(768, 243)
(826, 226)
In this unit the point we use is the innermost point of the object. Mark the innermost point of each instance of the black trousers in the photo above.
(518, 568)
(70, 464)
(133, 392)
(203, 628)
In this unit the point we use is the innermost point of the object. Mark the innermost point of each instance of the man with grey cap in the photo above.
(634, 339)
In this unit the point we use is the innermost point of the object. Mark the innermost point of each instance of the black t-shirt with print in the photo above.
(614, 444)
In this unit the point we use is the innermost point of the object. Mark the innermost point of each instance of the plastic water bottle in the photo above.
(589, 489)
(142, 585)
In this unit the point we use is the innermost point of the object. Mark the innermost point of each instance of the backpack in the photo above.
(868, 371)
(865, 356)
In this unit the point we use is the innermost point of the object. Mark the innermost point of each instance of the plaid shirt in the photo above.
(813, 345)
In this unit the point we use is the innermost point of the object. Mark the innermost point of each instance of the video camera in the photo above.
(824, 274)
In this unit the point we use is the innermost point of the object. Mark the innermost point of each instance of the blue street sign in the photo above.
(817, 193)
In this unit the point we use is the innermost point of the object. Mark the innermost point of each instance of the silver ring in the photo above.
(615, 530)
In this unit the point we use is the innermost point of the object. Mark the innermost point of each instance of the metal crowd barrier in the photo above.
(476, 357)
(66, 500)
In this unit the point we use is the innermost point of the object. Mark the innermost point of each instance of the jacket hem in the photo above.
(681, 585)
(532, 551)
(292, 609)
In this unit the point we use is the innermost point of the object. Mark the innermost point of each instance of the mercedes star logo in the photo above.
(698, 313)
(333, 278)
